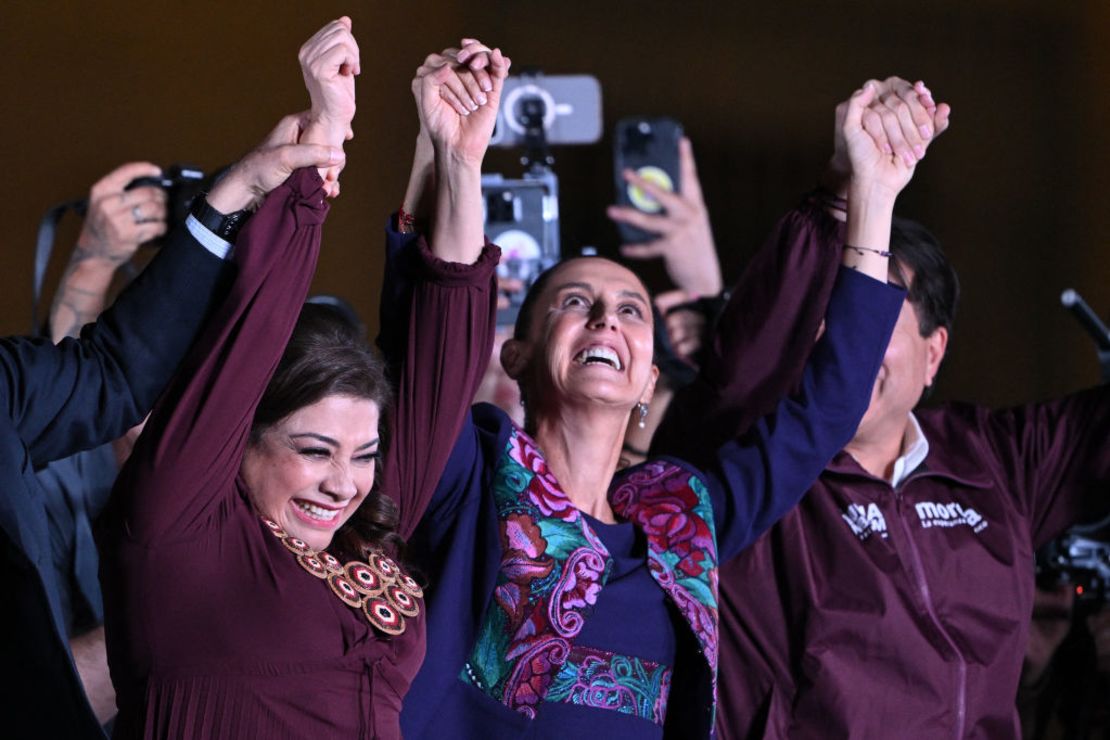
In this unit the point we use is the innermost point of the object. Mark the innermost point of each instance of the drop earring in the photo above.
(643, 409)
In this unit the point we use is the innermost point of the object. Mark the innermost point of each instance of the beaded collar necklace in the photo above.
(378, 588)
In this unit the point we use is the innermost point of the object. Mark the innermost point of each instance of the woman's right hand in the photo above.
(329, 63)
(457, 93)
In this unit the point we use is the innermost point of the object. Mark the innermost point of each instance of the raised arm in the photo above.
(776, 309)
(329, 64)
(87, 391)
(884, 129)
(785, 452)
(446, 306)
(416, 214)
(194, 442)
(459, 116)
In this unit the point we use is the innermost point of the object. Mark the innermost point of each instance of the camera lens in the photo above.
(530, 110)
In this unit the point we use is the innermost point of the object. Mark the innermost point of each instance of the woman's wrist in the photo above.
(871, 194)
(452, 161)
(419, 193)
(458, 179)
(458, 231)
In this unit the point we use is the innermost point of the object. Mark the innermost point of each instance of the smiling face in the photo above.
(310, 471)
(589, 340)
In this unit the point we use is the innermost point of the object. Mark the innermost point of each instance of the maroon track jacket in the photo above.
(868, 611)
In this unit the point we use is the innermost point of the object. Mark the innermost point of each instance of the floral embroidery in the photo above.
(553, 568)
(605, 680)
(672, 508)
(547, 496)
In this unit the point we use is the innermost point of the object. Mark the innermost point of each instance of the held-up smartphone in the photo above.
(648, 147)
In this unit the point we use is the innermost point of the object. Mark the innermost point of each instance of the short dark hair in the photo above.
(934, 290)
(326, 356)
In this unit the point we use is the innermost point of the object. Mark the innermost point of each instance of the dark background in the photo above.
(1016, 190)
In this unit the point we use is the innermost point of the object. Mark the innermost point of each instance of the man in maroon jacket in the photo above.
(894, 601)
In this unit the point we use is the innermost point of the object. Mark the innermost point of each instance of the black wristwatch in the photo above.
(225, 226)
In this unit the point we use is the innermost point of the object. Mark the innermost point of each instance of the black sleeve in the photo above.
(83, 392)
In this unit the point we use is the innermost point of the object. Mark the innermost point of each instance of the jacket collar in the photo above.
(949, 456)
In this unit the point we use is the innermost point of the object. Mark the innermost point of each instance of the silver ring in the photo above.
(136, 214)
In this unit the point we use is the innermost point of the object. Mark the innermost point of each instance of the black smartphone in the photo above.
(648, 147)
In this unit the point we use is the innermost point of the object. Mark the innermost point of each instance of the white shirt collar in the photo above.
(914, 449)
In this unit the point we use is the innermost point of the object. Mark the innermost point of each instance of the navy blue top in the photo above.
(474, 540)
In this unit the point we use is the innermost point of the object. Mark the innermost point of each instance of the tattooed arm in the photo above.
(117, 222)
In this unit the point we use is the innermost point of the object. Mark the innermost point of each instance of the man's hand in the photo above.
(119, 220)
(116, 223)
(251, 178)
(684, 322)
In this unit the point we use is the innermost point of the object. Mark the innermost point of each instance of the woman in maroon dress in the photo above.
(227, 614)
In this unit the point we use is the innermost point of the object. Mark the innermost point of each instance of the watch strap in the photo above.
(224, 225)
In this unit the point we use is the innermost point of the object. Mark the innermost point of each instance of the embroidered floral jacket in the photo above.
(519, 576)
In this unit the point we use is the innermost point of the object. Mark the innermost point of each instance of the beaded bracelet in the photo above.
(861, 250)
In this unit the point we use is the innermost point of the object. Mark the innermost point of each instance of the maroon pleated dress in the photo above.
(214, 628)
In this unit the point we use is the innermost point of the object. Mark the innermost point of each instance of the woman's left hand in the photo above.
(457, 96)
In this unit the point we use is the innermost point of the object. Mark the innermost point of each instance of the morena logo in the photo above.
(865, 520)
(952, 514)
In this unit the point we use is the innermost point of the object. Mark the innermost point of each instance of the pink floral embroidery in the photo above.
(553, 568)
(521, 533)
(547, 496)
(582, 583)
(533, 673)
(663, 500)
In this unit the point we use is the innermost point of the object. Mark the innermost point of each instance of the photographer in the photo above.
(76, 488)
(117, 222)
(84, 392)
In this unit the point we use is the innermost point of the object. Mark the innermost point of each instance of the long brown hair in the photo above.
(327, 356)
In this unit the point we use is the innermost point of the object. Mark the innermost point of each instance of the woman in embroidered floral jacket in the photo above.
(570, 600)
